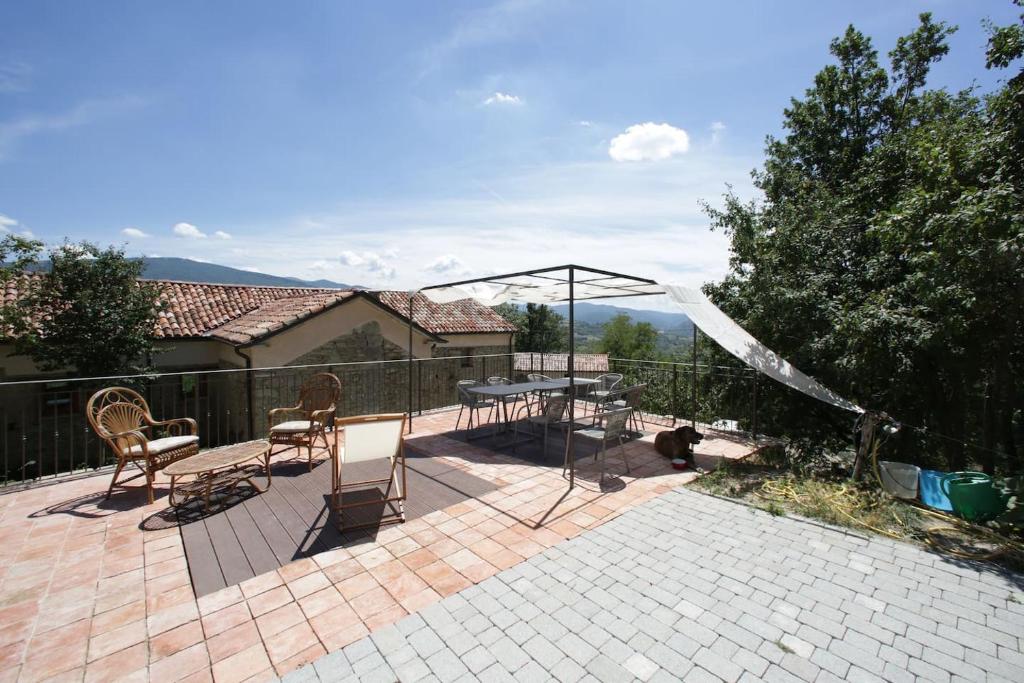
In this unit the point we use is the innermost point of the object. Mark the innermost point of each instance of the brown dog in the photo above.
(677, 443)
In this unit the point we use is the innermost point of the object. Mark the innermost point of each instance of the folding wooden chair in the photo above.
(369, 438)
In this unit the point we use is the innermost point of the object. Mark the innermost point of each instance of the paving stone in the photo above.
(737, 595)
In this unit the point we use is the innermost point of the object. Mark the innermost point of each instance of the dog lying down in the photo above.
(678, 443)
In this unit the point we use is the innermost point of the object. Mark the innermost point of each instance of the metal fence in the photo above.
(45, 431)
(723, 396)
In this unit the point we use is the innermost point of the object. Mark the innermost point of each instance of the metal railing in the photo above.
(45, 432)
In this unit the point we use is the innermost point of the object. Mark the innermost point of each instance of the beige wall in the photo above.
(282, 348)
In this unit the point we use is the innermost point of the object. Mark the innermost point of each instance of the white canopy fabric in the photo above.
(493, 294)
(737, 341)
(704, 314)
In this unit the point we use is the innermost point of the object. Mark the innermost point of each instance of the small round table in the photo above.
(219, 467)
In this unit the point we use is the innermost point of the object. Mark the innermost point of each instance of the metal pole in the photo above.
(753, 427)
(569, 452)
(411, 295)
(694, 392)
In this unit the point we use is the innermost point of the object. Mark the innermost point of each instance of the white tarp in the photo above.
(737, 341)
(704, 314)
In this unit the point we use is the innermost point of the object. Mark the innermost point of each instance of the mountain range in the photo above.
(172, 268)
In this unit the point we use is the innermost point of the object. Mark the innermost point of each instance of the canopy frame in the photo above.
(567, 275)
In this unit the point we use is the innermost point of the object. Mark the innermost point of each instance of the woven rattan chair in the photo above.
(318, 398)
(122, 419)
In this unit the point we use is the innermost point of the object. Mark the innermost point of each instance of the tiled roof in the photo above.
(559, 362)
(457, 317)
(240, 314)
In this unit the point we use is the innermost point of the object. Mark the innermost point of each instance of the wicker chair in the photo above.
(122, 419)
(318, 398)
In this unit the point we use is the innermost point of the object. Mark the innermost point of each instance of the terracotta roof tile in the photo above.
(465, 316)
(547, 363)
(239, 314)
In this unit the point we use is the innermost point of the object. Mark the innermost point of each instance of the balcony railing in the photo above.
(45, 432)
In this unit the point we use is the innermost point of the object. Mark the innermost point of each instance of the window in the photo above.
(467, 358)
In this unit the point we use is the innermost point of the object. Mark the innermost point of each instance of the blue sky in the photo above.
(407, 143)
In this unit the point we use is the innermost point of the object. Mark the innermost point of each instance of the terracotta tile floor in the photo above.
(92, 589)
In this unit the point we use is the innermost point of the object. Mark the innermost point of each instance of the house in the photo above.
(226, 354)
(204, 326)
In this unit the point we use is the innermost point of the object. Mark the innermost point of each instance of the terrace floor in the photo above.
(92, 589)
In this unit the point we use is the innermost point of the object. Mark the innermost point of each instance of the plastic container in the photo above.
(680, 463)
(899, 479)
(973, 496)
(930, 488)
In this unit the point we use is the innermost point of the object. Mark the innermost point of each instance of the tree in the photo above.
(16, 255)
(885, 254)
(624, 339)
(92, 313)
(541, 330)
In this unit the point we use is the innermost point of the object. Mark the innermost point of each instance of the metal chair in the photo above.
(629, 397)
(614, 430)
(318, 397)
(551, 412)
(504, 400)
(472, 402)
(599, 391)
(121, 417)
(537, 377)
(369, 438)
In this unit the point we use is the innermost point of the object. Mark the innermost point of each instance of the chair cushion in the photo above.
(292, 426)
(590, 433)
(168, 443)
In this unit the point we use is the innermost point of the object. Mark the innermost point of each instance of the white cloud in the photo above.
(188, 231)
(11, 132)
(133, 232)
(369, 261)
(502, 98)
(717, 128)
(448, 263)
(14, 77)
(584, 123)
(350, 258)
(221, 235)
(6, 223)
(28, 233)
(479, 28)
(649, 142)
(252, 269)
(319, 266)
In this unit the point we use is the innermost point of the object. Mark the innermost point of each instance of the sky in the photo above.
(395, 145)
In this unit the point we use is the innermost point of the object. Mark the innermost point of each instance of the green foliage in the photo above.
(541, 330)
(624, 339)
(94, 315)
(885, 256)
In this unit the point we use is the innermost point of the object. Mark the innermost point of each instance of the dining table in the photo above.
(500, 391)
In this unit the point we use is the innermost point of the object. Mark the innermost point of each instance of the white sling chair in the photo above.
(369, 438)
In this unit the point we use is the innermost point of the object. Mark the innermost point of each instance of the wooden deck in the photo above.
(259, 533)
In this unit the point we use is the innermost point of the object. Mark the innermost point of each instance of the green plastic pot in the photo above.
(972, 495)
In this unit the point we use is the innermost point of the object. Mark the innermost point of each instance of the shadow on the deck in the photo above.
(254, 534)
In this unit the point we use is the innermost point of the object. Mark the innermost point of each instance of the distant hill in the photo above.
(170, 268)
(598, 314)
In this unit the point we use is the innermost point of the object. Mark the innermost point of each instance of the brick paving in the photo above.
(92, 589)
(688, 586)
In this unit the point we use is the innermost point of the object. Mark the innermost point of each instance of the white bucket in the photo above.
(899, 479)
